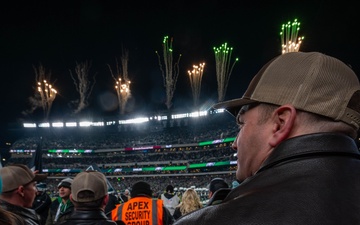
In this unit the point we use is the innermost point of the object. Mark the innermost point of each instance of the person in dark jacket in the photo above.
(298, 162)
(125, 196)
(42, 202)
(89, 193)
(112, 202)
(218, 190)
(18, 193)
(62, 207)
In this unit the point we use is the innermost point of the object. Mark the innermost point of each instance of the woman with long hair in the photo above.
(190, 201)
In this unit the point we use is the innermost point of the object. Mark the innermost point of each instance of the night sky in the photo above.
(59, 34)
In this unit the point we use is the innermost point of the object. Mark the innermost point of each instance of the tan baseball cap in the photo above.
(311, 81)
(16, 175)
(92, 181)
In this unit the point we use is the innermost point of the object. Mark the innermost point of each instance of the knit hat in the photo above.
(141, 188)
(312, 82)
(90, 181)
(17, 175)
(216, 184)
(65, 183)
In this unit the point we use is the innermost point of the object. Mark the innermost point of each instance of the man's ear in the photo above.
(20, 191)
(71, 198)
(106, 199)
(283, 119)
(210, 194)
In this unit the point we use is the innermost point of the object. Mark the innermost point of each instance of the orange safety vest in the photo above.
(139, 211)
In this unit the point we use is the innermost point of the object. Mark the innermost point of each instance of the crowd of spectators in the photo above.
(158, 183)
(221, 152)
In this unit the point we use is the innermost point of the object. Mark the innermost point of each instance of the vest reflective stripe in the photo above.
(140, 211)
(155, 212)
(114, 213)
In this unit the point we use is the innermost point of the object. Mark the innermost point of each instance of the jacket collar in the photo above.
(312, 144)
(88, 215)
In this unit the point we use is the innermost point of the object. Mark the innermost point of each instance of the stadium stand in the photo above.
(186, 154)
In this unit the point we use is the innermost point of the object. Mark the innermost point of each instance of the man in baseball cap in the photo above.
(42, 202)
(298, 162)
(89, 194)
(19, 191)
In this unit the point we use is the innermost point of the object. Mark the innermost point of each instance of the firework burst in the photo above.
(290, 42)
(195, 76)
(223, 68)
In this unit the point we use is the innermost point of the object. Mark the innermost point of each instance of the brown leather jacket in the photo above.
(23, 216)
(311, 179)
(95, 217)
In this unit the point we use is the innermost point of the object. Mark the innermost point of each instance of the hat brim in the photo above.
(233, 106)
(39, 177)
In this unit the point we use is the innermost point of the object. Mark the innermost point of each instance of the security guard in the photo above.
(142, 209)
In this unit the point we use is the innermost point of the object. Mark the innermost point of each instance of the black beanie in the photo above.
(170, 188)
(217, 183)
(141, 188)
